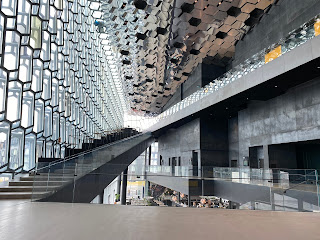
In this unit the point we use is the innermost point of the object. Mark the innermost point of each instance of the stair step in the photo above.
(38, 183)
(45, 178)
(26, 188)
(21, 195)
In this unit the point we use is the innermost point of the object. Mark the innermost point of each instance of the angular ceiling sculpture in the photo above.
(160, 42)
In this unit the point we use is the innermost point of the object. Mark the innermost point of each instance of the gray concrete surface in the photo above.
(92, 221)
(291, 117)
(180, 142)
(300, 55)
(201, 76)
(283, 18)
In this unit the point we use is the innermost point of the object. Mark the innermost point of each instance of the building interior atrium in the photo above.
(139, 119)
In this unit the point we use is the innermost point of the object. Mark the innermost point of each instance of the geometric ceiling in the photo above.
(160, 42)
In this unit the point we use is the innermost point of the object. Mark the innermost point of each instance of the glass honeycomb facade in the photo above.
(57, 86)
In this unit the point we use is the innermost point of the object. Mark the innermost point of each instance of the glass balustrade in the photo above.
(274, 189)
(296, 38)
(59, 173)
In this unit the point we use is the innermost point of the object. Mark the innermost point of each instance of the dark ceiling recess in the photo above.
(194, 21)
(251, 21)
(225, 60)
(161, 30)
(187, 7)
(161, 84)
(149, 80)
(194, 51)
(129, 77)
(149, 65)
(141, 36)
(124, 52)
(234, 11)
(174, 60)
(178, 45)
(176, 79)
(140, 4)
(221, 35)
(256, 13)
(166, 88)
(254, 17)
(127, 62)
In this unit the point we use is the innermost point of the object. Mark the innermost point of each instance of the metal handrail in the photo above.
(88, 151)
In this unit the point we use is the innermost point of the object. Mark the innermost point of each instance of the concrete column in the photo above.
(199, 164)
(146, 188)
(266, 156)
(149, 157)
(101, 197)
(118, 184)
(123, 195)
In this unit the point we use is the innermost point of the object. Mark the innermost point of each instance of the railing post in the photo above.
(123, 195)
(317, 186)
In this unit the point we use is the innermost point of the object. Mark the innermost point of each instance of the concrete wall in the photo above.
(214, 142)
(282, 18)
(292, 117)
(174, 99)
(202, 75)
(233, 136)
(211, 72)
(180, 142)
(192, 84)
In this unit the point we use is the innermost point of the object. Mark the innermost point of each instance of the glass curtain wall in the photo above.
(57, 86)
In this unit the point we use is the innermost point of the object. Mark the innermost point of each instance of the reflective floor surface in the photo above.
(92, 221)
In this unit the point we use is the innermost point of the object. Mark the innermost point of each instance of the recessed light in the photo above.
(318, 67)
(275, 86)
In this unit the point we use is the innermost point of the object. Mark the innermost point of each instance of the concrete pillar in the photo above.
(266, 156)
(147, 187)
(149, 157)
(118, 184)
(189, 201)
(123, 195)
(101, 197)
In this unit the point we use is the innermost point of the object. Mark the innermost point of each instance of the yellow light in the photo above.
(317, 28)
(275, 53)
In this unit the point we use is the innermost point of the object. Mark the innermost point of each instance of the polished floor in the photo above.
(61, 221)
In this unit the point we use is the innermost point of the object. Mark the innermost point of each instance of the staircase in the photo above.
(26, 185)
(31, 186)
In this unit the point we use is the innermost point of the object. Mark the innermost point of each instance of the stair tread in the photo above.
(8, 187)
(20, 193)
(42, 181)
